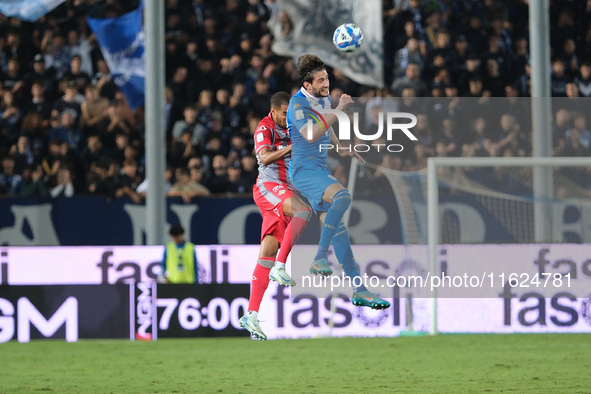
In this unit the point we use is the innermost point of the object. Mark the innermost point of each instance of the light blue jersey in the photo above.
(308, 170)
(304, 107)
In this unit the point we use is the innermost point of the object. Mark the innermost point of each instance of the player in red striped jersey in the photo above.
(284, 214)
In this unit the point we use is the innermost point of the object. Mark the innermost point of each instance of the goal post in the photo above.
(434, 164)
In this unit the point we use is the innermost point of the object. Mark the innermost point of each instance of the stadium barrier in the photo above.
(109, 292)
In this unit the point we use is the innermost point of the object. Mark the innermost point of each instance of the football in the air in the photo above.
(347, 37)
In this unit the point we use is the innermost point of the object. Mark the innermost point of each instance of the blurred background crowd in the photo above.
(66, 129)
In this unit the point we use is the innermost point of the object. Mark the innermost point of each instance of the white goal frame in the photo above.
(433, 216)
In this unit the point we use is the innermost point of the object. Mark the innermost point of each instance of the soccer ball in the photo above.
(347, 37)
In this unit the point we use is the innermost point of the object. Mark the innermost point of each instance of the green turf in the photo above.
(446, 363)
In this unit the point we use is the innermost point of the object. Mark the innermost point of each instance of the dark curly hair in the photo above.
(307, 66)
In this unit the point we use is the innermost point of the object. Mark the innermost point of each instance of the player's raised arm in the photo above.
(321, 122)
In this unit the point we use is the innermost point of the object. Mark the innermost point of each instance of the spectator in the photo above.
(63, 184)
(43, 75)
(579, 131)
(570, 58)
(182, 89)
(38, 101)
(129, 182)
(204, 106)
(583, 80)
(469, 70)
(461, 52)
(239, 147)
(196, 131)
(520, 57)
(183, 149)
(217, 182)
(142, 188)
(229, 113)
(411, 80)
(22, 153)
(15, 48)
(70, 100)
(186, 188)
(68, 132)
(558, 78)
(34, 126)
(33, 184)
(13, 79)
(442, 55)
(10, 182)
(493, 81)
(79, 46)
(103, 80)
(93, 153)
(196, 174)
(118, 151)
(10, 117)
(93, 109)
(76, 74)
(219, 129)
(408, 54)
(112, 124)
(57, 54)
(250, 168)
(237, 184)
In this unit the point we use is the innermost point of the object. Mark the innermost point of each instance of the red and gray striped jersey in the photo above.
(270, 135)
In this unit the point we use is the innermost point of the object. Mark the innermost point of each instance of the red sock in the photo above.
(294, 229)
(259, 282)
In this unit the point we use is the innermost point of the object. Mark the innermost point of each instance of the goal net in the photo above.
(451, 211)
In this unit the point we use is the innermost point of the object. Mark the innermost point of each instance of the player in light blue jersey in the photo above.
(312, 177)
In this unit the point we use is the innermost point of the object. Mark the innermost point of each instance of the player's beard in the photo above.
(318, 93)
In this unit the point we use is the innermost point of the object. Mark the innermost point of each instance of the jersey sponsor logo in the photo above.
(260, 136)
(279, 189)
(261, 128)
(276, 212)
(332, 177)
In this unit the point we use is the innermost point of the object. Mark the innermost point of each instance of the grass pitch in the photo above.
(447, 363)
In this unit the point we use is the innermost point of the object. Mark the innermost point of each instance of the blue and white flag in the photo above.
(122, 42)
(28, 10)
(313, 23)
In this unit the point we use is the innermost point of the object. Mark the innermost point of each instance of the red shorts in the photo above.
(269, 197)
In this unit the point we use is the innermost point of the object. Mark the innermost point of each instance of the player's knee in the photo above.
(303, 213)
(342, 199)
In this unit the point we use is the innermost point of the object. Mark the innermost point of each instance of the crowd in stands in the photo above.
(66, 129)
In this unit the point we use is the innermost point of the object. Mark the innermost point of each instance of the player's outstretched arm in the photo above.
(344, 151)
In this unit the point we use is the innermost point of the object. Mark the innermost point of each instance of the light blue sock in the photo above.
(340, 203)
(342, 249)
